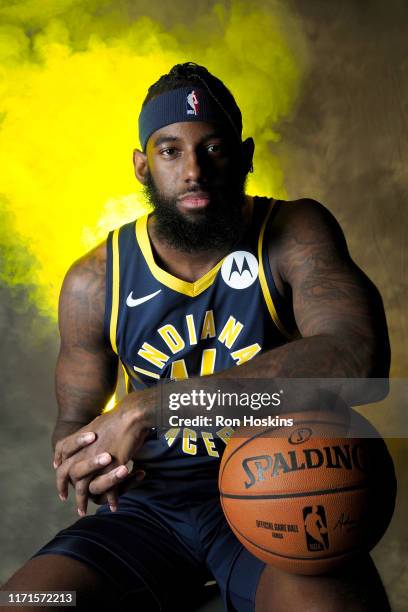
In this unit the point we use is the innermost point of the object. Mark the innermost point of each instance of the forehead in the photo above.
(190, 132)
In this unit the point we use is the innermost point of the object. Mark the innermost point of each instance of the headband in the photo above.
(179, 105)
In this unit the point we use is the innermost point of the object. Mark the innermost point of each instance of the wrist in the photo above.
(139, 408)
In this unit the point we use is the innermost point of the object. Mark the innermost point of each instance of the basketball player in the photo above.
(211, 280)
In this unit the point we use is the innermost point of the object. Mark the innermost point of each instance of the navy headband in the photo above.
(178, 105)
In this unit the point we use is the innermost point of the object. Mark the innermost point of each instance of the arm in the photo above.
(86, 372)
(333, 300)
(338, 310)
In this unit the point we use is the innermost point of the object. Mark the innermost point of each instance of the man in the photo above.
(211, 280)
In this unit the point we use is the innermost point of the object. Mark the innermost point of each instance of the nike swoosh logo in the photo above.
(131, 302)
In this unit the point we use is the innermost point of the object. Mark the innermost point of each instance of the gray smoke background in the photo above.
(346, 146)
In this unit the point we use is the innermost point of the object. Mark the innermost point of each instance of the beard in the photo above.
(219, 226)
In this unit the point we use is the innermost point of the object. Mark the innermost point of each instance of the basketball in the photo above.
(307, 498)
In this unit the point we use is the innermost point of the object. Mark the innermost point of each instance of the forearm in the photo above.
(314, 357)
(328, 360)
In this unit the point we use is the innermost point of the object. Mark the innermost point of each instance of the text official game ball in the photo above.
(308, 498)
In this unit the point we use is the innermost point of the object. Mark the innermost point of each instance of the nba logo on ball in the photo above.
(314, 518)
(192, 104)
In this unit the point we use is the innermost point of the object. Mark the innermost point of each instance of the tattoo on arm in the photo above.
(338, 310)
(86, 370)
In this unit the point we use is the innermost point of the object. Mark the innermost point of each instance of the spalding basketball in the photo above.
(308, 498)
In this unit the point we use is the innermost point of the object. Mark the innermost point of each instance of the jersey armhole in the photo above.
(112, 289)
(268, 287)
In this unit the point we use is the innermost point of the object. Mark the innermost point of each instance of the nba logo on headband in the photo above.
(192, 104)
(182, 104)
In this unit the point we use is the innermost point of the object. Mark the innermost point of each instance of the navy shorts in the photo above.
(161, 546)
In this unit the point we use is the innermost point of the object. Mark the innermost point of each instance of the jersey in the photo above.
(165, 328)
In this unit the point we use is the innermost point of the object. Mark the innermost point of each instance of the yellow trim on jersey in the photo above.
(126, 377)
(115, 289)
(177, 284)
(190, 289)
(263, 281)
(130, 374)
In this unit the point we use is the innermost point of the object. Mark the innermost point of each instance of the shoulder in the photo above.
(84, 347)
(307, 220)
(84, 282)
(90, 265)
(303, 232)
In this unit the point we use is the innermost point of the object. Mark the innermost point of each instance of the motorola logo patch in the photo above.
(239, 270)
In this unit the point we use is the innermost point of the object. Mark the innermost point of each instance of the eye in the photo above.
(214, 148)
(168, 152)
(217, 149)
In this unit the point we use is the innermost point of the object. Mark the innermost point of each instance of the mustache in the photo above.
(220, 193)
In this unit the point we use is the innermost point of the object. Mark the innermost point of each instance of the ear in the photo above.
(140, 165)
(248, 148)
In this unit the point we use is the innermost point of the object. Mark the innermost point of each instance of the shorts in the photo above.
(162, 545)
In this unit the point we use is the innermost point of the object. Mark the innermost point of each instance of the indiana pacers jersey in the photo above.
(162, 327)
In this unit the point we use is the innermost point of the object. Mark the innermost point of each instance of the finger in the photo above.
(100, 485)
(70, 445)
(62, 479)
(131, 481)
(104, 482)
(88, 467)
(125, 484)
(72, 472)
(81, 495)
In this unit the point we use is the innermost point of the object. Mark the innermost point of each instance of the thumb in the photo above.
(135, 473)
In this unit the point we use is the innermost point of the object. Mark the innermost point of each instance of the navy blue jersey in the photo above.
(162, 327)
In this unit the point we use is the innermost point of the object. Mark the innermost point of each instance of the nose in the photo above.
(193, 167)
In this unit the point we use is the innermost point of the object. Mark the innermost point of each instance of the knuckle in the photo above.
(102, 483)
(61, 476)
(81, 487)
(94, 489)
(73, 478)
(63, 471)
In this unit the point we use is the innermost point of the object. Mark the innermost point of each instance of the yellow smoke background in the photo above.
(73, 76)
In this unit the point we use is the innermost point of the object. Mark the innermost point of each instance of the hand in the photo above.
(114, 439)
(73, 445)
(107, 488)
(102, 486)
(107, 485)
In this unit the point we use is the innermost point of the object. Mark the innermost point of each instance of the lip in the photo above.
(195, 200)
